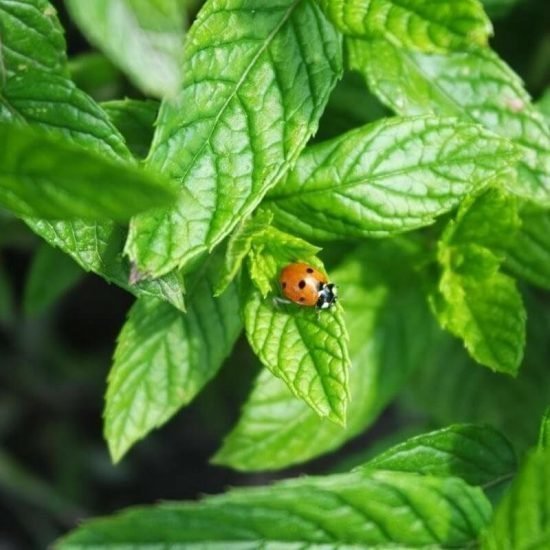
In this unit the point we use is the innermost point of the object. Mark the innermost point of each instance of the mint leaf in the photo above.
(59, 180)
(134, 119)
(276, 429)
(51, 274)
(145, 39)
(423, 24)
(475, 301)
(32, 38)
(479, 455)
(475, 85)
(544, 434)
(164, 358)
(483, 307)
(528, 254)
(240, 244)
(345, 511)
(522, 519)
(388, 177)
(307, 351)
(239, 122)
(60, 108)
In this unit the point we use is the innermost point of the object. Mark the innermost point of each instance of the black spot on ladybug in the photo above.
(302, 284)
(284, 285)
(302, 299)
(309, 270)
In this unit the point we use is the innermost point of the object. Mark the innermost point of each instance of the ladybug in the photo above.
(306, 286)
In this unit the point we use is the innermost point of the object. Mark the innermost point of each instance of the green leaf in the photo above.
(276, 429)
(481, 306)
(239, 245)
(390, 509)
(57, 106)
(522, 519)
(239, 122)
(419, 24)
(43, 176)
(32, 38)
(528, 254)
(144, 38)
(387, 177)
(544, 434)
(475, 85)
(134, 119)
(51, 274)
(307, 351)
(489, 219)
(479, 455)
(164, 358)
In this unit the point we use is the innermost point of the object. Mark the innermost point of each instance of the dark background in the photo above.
(54, 465)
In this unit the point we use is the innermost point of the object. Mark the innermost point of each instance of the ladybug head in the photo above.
(328, 295)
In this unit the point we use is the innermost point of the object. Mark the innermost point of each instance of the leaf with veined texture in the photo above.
(31, 38)
(60, 108)
(475, 85)
(347, 511)
(256, 79)
(422, 24)
(391, 176)
(44, 176)
(522, 518)
(144, 38)
(308, 352)
(164, 358)
(276, 429)
(478, 454)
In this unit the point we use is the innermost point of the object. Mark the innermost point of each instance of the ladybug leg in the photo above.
(277, 301)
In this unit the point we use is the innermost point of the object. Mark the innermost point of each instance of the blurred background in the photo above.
(57, 336)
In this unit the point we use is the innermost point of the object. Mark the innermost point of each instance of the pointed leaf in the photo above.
(387, 177)
(522, 519)
(239, 122)
(59, 180)
(276, 429)
(475, 85)
(32, 38)
(164, 358)
(58, 107)
(308, 352)
(483, 307)
(479, 455)
(145, 39)
(423, 24)
(390, 509)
